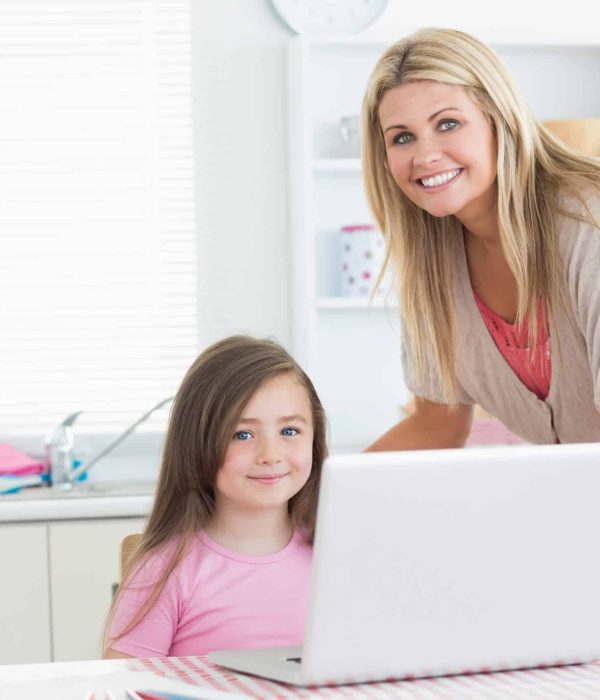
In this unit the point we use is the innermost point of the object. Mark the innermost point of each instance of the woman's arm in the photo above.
(431, 426)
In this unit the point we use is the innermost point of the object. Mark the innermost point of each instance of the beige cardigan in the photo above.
(571, 412)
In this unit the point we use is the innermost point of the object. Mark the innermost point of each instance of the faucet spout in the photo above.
(59, 450)
(74, 474)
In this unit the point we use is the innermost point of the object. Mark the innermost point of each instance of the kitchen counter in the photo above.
(93, 499)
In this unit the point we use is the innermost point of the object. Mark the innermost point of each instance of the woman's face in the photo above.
(441, 150)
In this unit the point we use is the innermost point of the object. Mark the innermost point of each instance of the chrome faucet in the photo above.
(59, 448)
(59, 451)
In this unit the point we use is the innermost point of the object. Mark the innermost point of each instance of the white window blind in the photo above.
(97, 254)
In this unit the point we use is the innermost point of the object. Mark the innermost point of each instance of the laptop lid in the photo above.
(436, 562)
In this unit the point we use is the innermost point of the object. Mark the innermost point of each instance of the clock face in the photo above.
(314, 17)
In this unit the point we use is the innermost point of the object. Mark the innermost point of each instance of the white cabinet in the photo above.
(84, 570)
(24, 600)
(56, 587)
(350, 349)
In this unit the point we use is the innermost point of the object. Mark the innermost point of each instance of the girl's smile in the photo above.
(269, 479)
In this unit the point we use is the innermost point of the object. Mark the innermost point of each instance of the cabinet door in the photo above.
(84, 570)
(24, 606)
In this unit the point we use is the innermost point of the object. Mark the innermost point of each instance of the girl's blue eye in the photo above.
(404, 137)
(448, 124)
(242, 435)
(290, 432)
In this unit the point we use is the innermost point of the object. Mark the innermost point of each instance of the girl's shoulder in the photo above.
(167, 556)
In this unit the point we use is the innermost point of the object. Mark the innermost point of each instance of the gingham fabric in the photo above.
(581, 682)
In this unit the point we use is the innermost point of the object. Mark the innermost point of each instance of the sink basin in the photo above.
(84, 489)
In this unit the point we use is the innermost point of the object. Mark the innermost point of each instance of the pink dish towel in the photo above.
(14, 462)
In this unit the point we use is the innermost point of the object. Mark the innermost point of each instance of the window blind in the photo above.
(98, 255)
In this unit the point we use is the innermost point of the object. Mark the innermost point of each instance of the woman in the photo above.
(491, 228)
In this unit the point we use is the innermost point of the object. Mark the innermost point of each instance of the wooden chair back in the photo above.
(128, 547)
(582, 135)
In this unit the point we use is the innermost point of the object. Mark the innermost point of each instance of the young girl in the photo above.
(492, 227)
(225, 558)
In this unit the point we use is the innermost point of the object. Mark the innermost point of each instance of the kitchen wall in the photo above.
(243, 248)
(239, 63)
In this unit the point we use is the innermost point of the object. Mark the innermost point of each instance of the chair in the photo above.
(582, 135)
(128, 546)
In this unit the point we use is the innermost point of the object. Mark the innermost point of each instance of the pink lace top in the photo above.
(533, 369)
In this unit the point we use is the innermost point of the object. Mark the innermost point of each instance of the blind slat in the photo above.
(98, 289)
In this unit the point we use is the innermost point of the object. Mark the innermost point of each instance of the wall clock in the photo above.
(327, 17)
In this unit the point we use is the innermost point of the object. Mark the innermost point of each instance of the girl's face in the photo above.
(441, 150)
(269, 457)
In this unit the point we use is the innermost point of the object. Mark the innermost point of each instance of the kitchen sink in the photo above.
(84, 489)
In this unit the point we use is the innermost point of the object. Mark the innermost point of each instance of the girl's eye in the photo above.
(242, 435)
(290, 432)
(403, 137)
(448, 124)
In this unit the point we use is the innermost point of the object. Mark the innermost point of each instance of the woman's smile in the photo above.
(439, 181)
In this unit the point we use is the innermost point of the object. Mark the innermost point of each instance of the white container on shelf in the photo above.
(350, 136)
(361, 258)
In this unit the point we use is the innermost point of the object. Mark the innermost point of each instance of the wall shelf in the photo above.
(349, 346)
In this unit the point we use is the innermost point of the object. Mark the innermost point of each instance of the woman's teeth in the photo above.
(439, 179)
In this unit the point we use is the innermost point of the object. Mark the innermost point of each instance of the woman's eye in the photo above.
(290, 432)
(404, 137)
(448, 124)
(242, 435)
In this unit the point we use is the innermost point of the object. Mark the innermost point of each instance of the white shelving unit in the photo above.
(351, 347)
(336, 165)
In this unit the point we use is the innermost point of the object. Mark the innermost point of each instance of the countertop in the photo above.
(93, 499)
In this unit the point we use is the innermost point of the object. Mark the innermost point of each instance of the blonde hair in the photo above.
(533, 169)
(206, 410)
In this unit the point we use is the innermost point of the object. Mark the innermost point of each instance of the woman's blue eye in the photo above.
(404, 137)
(242, 435)
(290, 432)
(448, 124)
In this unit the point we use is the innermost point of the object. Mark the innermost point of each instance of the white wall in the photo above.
(529, 20)
(241, 168)
(240, 121)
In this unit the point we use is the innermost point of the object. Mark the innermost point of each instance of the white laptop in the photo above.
(437, 562)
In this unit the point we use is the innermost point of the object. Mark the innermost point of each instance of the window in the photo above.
(98, 255)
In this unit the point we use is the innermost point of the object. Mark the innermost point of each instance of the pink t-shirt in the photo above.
(533, 369)
(217, 599)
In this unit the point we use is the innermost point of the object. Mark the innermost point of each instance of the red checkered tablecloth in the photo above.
(580, 682)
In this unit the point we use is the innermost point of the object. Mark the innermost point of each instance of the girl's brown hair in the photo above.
(206, 410)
